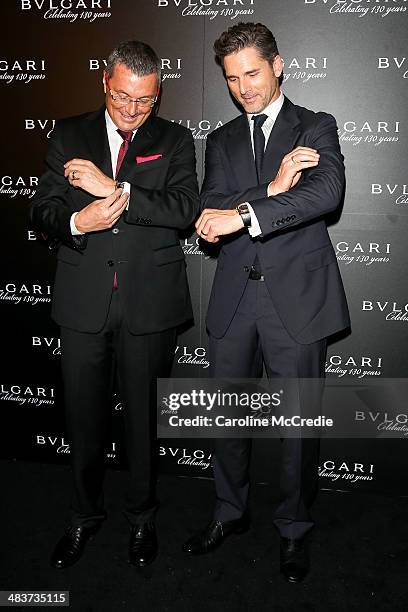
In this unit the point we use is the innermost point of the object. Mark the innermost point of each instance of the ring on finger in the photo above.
(204, 233)
(293, 159)
(73, 173)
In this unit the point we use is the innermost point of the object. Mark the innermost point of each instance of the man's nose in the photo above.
(132, 107)
(243, 86)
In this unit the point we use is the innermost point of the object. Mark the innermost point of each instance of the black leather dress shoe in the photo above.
(213, 535)
(143, 544)
(294, 562)
(72, 544)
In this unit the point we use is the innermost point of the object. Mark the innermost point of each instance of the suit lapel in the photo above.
(285, 132)
(97, 138)
(239, 150)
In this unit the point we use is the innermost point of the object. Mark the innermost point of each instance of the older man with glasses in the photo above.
(119, 185)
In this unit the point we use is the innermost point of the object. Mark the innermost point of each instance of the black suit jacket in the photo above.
(295, 252)
(143, 247)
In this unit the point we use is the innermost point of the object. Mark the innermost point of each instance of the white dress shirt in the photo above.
(115, 140)
(272, 111)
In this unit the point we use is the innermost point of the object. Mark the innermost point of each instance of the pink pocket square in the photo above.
(140, 159)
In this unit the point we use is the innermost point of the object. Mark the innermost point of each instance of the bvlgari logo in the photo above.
(371, 133)
(210, 8)
(58, 443)
(192, 356)
(184, 456)
(353, 472)
(305, 69)
(171, 67)
(51, 345)
(395, 424)
(61, 445)
(391, 311)
(398, 192)
(199, 129)
(45, 125)
(70, 10)
(21, 70)
(362, 253)
(12, 186)
(399, 64)
(361, 8)
(25, 293)
(352, 365)
(28, 395)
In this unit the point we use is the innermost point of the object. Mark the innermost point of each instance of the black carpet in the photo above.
(359, 550)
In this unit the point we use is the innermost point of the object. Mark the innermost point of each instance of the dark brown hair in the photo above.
(244, 35)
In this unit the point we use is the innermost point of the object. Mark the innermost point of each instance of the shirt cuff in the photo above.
(126, 188)
(254, 229)
(74, 230)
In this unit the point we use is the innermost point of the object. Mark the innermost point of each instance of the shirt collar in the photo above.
(272, 110)
(111, 127)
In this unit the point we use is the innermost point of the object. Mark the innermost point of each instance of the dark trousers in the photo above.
(256, 337)
(89, 362)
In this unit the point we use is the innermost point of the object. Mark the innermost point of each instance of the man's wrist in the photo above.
(111, 187)
(272, 191)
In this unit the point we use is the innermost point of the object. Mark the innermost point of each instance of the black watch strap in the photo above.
(245, 214)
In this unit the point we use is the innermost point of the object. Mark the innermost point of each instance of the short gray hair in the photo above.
(137, 56)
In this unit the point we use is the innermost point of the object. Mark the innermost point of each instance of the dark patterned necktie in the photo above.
(259, 142)
(127, 137)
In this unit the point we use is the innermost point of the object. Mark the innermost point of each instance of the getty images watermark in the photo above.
(290, 408)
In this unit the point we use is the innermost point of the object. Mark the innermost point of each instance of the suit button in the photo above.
(111, 263)
(115, 230)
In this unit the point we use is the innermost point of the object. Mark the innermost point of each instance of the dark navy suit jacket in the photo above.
(294, 251)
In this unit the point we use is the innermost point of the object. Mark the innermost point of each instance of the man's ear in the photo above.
(104, 82)
(277, 65)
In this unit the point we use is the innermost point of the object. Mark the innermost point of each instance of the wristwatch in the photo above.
(245, 214)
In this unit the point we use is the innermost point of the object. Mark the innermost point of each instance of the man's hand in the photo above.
(213, 223)
(291, 168)
(102, 214)
(84, 174)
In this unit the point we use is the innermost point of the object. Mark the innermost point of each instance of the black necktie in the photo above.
(259, 142)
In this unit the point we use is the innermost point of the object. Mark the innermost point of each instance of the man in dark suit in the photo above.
(119, 185)
(271, 176)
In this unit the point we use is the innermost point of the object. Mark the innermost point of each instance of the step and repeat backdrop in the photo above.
(349, 58)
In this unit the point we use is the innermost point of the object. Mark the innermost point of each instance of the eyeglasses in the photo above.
(123, 99)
